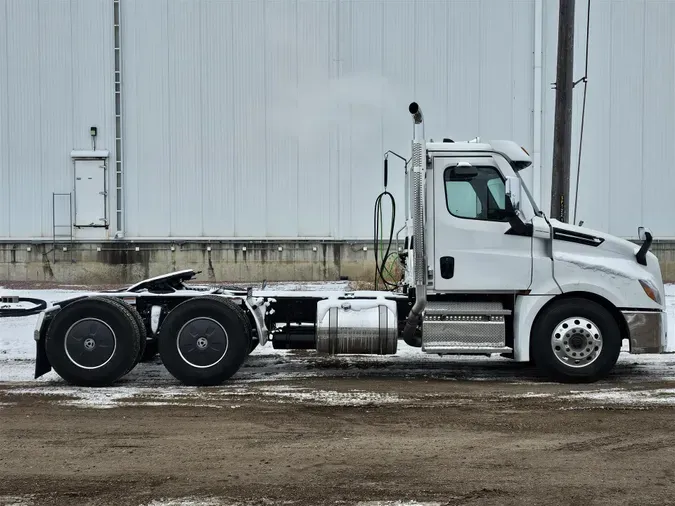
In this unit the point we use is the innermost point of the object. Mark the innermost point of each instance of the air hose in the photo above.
(383, 255)
(8, 311)
(385, 259)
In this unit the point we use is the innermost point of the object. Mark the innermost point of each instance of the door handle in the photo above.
(447, 267)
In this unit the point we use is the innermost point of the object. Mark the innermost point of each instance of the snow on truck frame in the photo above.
(484, 272)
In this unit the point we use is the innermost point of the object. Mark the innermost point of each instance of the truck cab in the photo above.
(498, 276)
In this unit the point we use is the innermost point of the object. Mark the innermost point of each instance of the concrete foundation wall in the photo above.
(113, 263)
(104, 263)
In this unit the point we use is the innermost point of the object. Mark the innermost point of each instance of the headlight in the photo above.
(651, 291)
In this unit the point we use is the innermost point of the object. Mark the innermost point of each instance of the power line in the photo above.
(583, 110)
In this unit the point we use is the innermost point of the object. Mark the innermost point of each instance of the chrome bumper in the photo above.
(647, 331)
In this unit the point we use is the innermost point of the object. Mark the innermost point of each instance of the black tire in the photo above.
(253, 341)
(80, 335)
(589, 345)
(142, 332)
(151, 349)
(214, 334)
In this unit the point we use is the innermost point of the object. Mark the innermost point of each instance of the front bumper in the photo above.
(647, 331)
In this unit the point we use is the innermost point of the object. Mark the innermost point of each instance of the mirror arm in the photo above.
(519, 227)
(641, 255)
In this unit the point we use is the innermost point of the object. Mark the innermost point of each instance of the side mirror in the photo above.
(512, 188)
(642, 233)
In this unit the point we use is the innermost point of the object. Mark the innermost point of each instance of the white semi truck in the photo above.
(484, 272)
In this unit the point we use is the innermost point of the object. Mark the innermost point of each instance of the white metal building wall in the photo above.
(627, 169)
(56, 82)
(268, 118)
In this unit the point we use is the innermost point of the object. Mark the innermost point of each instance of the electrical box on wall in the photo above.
(90, 189)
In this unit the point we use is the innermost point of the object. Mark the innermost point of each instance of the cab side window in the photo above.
(478, 196)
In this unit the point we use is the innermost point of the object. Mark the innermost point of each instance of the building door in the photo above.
(90, 215)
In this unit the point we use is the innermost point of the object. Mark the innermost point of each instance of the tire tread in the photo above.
(542, 329)
(215, 375)
(82, 377)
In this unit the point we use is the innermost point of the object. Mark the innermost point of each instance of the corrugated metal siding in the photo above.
(218, 210)
(270, 118)
(5, 201)
(267, 118)
(629, 138)
(57, 109)
(55, 83)
(146, 120)
(24, 116)
(658, 134)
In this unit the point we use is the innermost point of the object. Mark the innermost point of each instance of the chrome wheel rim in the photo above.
(576, 342)
(202, 342)
(90, 343)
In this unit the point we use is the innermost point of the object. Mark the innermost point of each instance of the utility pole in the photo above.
(562, 134)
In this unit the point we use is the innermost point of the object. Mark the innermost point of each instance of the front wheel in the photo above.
(576, 340)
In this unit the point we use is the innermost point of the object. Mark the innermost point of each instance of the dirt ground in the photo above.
(342, 432)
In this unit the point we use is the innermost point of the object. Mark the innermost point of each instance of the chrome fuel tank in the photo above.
(358, 326)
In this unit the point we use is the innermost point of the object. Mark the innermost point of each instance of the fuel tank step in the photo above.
(464, 327)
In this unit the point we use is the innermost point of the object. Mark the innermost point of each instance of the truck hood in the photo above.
(609, 242)
(592, 249)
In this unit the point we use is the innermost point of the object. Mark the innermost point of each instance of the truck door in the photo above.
(474, 248)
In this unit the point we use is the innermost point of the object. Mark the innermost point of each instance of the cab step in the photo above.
(465, 328)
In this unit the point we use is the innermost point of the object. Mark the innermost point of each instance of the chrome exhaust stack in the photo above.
(418, 217)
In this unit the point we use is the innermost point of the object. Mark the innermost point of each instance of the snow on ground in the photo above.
(658, 396)
(150, 383)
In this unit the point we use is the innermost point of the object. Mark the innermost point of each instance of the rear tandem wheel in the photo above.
(93, 341)
(204, 340)
(143, 333)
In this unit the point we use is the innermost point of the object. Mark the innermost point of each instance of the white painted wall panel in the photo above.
(5, 200)
(249, 115)
(24, 111)
(57, 106)
(628, 139)
(626, 122)
(658, 135)
(218, 102)
(364, 98)
(146, 120)
(307, 95)
(399, 82)
(300, 111)
(596, 171)
(268, 118)
(184, 58)
(55, 83)
(280, 61)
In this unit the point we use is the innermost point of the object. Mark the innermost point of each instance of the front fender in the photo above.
(527, 308)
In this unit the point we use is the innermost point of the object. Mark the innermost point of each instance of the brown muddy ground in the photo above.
(330, 440)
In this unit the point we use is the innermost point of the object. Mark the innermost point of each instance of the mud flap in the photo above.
(42, 365)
